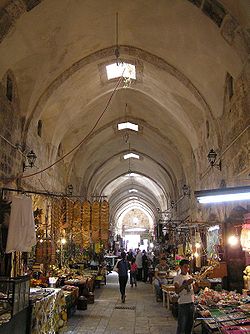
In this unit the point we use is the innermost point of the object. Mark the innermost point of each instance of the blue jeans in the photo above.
(185, 318)
(157, 285)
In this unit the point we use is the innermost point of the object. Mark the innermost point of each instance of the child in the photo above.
(133, 271)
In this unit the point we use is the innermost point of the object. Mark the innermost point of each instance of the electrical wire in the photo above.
(80, 143)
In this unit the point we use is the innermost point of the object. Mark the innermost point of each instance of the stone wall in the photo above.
(11, 122)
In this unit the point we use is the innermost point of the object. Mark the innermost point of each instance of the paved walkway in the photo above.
(140, 314)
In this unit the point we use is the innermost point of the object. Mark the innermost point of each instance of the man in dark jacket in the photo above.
(122, 267)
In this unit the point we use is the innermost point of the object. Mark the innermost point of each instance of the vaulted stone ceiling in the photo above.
(58, 51)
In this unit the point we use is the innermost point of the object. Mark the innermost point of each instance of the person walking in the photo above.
(133, 272)
(144, 266)
(122, 269)
(138, 261)
(185, 286)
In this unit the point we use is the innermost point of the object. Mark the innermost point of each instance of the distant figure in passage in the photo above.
(185, 286)
(138, 261)
(133, 272)
(122, 269)
(145, 266)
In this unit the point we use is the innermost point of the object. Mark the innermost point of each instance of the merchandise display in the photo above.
(223, 310)
(49, 312)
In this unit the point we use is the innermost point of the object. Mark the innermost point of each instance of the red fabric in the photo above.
(236, 330)
(133, 267)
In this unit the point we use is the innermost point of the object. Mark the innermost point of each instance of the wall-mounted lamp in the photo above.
(30, 160)
(212, 155)
(69, 189)
(223, 195)
(186, 190)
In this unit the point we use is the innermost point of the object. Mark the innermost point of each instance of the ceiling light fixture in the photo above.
(212, 158)
(133, 191)
(131, 155)
(223, 195)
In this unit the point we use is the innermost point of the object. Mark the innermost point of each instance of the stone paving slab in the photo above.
(146, 317)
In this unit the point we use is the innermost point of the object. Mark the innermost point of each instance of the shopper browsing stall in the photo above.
(161, 270)
(185, 286)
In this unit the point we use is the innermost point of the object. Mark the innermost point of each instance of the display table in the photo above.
(223, 312)
(225, 320)
(166, 291)
(48, 310)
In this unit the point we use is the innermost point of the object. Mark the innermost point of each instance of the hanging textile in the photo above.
(245, 233)
(95, 221)
(86, 216)
(77, 224)
(57, 217)
(104, 221)
(46, 252)
(21, 233)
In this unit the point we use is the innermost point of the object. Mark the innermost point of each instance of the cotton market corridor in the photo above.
(141, 314)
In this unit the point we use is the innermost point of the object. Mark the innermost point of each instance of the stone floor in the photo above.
(140, 314)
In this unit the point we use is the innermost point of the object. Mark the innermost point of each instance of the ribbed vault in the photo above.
(182, 59)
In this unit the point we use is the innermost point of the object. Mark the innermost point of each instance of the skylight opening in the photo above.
(123, 69)
(128, 125)
(131, 155)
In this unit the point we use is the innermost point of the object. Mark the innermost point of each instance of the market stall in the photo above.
(48, 310)
(14, 305)
(223, 311)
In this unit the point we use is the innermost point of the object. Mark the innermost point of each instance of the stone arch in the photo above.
(130, 51)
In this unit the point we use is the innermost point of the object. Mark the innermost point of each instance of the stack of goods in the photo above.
(77, 224)
(5, 308)
(226, 319)
(225, 310)
(86, 216)
(104, 222)
(49, 312)
(71, 294)
(95, 221)
(46, 252)
(210, 297)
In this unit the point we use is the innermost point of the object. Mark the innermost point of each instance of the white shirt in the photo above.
(184, 296)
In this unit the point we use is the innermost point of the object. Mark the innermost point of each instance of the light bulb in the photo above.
(233, 240)
(196, 254)
(198, 245)
(63, 241)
